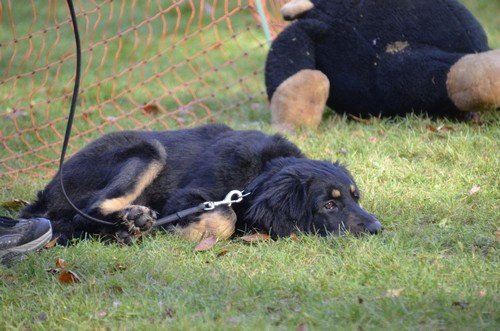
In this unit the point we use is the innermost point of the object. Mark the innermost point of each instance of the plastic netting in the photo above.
(145, 65)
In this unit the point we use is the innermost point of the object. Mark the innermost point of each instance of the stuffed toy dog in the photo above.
(380, 58)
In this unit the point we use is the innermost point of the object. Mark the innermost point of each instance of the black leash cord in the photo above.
(168, 219)
(69, 124)
(179, 215)
(162, 221)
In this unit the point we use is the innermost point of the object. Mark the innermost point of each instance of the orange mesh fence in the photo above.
(145, 65)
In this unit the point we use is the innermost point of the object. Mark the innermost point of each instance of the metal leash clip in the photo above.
(233, 196)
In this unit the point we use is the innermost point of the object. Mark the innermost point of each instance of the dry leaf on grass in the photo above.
(68, 277)
(120, 267)
(151, 109)
(222, 253)
(394, 293)
(206, 244)
(60, 265)
(52, 243)
(100, 314)
(357, 132)
(302, 327)
(256, 237)
(65, 276)
(474, 189)
(15, 204)
(441, 128)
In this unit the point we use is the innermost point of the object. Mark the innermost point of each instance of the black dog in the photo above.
(127, 177)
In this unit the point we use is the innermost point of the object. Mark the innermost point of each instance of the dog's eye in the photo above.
(330, 205)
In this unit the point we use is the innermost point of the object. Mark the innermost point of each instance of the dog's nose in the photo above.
(374, 227)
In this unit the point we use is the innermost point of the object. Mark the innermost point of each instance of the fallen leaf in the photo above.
(497, 235)
(52, 243)
(15, 204)
(482, 293)
(360, 119)
(169, 312)
(100, 314)
(117, 289)
(8, 277)
(431, 128)
(222, 253)
(206, 244)
(394, 293)
(445, 128)
(151, 109)
(60, 263)
(256, 237)
(474, 189)
(302, 327)
(373, 140)
(120, 267)
(294, 237)
(68, 277)
(357, 132)
(441, 128)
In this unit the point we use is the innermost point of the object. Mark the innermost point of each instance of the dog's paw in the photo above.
(137, 219)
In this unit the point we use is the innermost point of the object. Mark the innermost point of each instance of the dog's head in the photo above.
(310, 196)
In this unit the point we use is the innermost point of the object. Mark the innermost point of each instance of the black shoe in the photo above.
(20, 237)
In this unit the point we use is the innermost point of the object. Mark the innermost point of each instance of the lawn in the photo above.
(434, 185)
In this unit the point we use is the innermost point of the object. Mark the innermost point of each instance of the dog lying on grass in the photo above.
(131, 178)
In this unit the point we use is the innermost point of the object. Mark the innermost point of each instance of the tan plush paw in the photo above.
(473, 82)
(294, 8)
(300, 100)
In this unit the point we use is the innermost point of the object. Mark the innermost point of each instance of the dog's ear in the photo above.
(280, 203)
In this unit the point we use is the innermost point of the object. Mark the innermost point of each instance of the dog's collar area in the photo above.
(233, 196)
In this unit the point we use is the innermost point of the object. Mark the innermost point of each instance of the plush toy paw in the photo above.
(300, 100)
(295, 8)
(473, 82)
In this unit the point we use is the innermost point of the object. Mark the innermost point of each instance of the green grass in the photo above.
(435, 266)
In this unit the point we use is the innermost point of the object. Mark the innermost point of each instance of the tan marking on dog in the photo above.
(336, 194)
(353, 188)
(112, 205)
(221, 225)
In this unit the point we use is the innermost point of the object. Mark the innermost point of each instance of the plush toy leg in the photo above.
(300, 100)
(473, 82)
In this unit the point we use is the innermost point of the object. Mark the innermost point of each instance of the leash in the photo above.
(71, 115)
(233, 196)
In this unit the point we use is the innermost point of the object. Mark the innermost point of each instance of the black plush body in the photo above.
(386, 58)
(130, 178)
